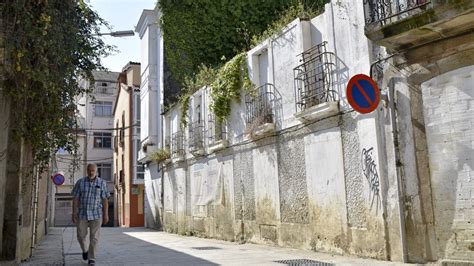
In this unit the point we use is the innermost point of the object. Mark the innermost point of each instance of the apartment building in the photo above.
(128, 172)
(94, 135)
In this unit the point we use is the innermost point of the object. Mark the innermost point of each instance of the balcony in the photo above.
(167, 147)
(115, 144)
(103, 90)
(260, 111)
(315, 97)
(217, 134)
(177, 146)
(196, 138)
(403, 24)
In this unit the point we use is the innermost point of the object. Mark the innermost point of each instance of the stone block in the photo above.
(269, 232)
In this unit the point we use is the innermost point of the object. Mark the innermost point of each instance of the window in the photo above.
(103, 108)
(102, 140)
(116, 137)
(140, 169)
(137, 114)
(122, 132)
(104, 171)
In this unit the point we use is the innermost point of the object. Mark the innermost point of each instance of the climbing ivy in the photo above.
(298, 10)
(46, 46)
(232, 77)
(203, 31)
(225, 83)
(192, 37)
(204, 77)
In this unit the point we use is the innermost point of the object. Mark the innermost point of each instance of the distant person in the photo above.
(90, 209)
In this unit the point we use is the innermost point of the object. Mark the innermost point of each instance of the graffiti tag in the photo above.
(370, 172)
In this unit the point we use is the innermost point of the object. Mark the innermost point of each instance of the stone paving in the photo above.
(140, 246)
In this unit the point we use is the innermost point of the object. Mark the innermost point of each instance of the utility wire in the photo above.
(110, 128)
(91, 160)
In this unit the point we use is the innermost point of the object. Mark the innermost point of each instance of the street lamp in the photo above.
(120, 33)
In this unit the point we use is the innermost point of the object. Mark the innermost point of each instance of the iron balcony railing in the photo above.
(388, 11)
(196, 136)
(103, 90)
(217, 129)
(167, 143)
(177, 144)
(313, 79)
(260, 105)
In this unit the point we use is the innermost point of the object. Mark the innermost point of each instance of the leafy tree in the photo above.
(46, 46)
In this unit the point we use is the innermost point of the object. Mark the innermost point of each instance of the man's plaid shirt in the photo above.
(90, 194)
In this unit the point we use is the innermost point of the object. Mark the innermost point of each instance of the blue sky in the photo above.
(122, 15)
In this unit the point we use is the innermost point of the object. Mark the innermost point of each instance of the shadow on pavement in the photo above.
(117, 247)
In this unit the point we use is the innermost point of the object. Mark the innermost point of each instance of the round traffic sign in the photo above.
(58, 179)
(363, 94)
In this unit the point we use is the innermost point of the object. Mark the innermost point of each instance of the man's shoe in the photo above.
(84, 255)
(91, 262)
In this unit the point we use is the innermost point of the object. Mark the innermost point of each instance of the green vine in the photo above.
(47, 46)
(160, 155)
(227, 82)
(232, 77)
(298, 10)
(203, 31)
(204, 77)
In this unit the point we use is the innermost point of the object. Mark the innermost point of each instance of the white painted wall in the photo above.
(150, 104)
(284, 51)
(326, 182)
(91, 123)
(151, 79)
(273, 61)
(152, 198)
(265, 169)
(449, 119)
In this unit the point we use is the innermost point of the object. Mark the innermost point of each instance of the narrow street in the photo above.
(134, 246)
(255, 132)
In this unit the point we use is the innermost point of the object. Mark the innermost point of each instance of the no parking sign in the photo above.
(363, 94)
(58, 179)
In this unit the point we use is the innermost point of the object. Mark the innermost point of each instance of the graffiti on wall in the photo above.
(371, 175)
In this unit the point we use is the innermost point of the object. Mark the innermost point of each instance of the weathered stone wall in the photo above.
(292, 187)
(292, 180)
(153, 207)
(305, 185)
(244, 187)
(449, 117)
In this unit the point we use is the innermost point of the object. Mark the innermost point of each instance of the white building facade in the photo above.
(94, 136)
(294, 165)
(151, 99)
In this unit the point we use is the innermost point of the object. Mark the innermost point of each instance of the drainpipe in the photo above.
(162, 215)
(35, 207)
(242, 209)
(401, 210)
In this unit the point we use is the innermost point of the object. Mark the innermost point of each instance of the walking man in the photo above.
(90, 209)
